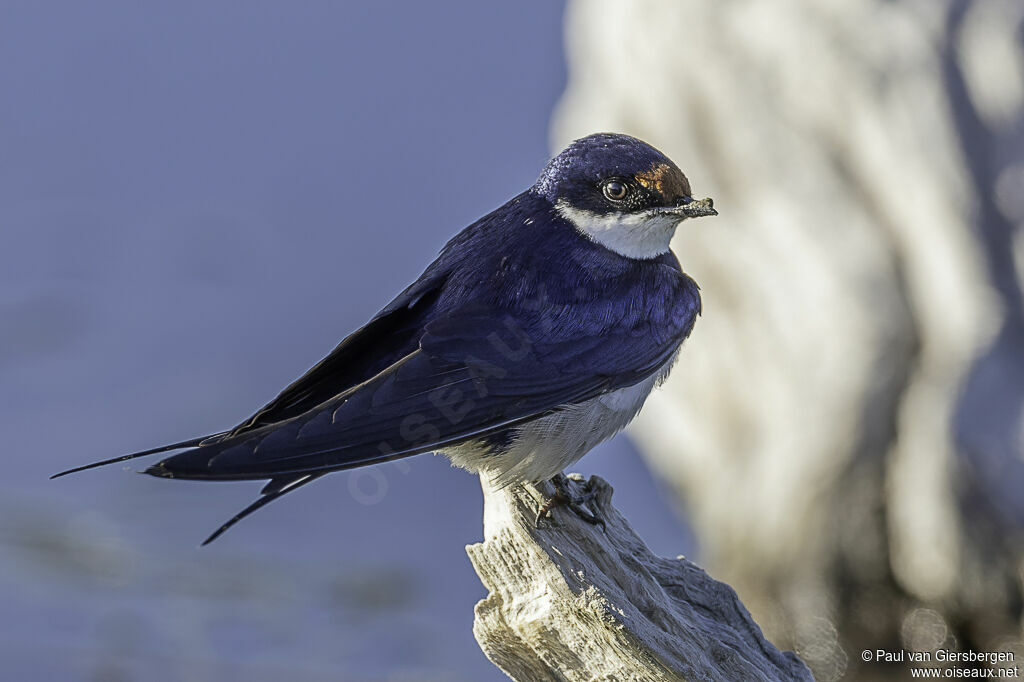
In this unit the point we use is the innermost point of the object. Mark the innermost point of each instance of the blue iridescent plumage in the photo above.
(522, 316)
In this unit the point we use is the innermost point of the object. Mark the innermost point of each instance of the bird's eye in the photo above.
(614, 190)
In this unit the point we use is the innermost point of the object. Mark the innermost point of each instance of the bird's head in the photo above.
(621, 192)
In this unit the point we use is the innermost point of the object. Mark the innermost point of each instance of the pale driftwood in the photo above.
(570, 601)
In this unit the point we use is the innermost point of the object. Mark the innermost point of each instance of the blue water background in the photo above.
(197, 201)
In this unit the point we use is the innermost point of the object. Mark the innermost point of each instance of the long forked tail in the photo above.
(164, 448)
(274, 489)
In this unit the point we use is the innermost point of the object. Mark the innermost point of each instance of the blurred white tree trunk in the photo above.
(867, 158)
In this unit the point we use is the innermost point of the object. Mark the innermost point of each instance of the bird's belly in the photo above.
(545, 446)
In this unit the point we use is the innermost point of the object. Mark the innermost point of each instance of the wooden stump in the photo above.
(572, 601)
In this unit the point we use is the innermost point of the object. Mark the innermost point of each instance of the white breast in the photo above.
(546, 446)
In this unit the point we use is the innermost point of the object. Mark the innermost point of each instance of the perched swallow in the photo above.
(536, 334)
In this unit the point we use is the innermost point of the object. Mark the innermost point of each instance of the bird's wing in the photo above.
(473, 373)
(389, 336)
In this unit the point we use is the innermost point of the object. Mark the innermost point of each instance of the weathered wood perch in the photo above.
(570, 601)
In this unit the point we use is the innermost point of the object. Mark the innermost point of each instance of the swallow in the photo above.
(537, 333)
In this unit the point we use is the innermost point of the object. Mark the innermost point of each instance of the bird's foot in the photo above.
(566, 496)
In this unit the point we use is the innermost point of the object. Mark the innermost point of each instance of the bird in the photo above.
(537, 333)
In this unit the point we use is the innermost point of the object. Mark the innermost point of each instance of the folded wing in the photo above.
(473, 372)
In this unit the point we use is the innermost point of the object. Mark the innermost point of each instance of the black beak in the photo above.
(689, 207)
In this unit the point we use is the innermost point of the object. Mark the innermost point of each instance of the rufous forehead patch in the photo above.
(666, 180)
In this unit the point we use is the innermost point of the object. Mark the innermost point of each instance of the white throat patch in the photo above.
(632, 236)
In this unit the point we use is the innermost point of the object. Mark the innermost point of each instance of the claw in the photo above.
(565, 496)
